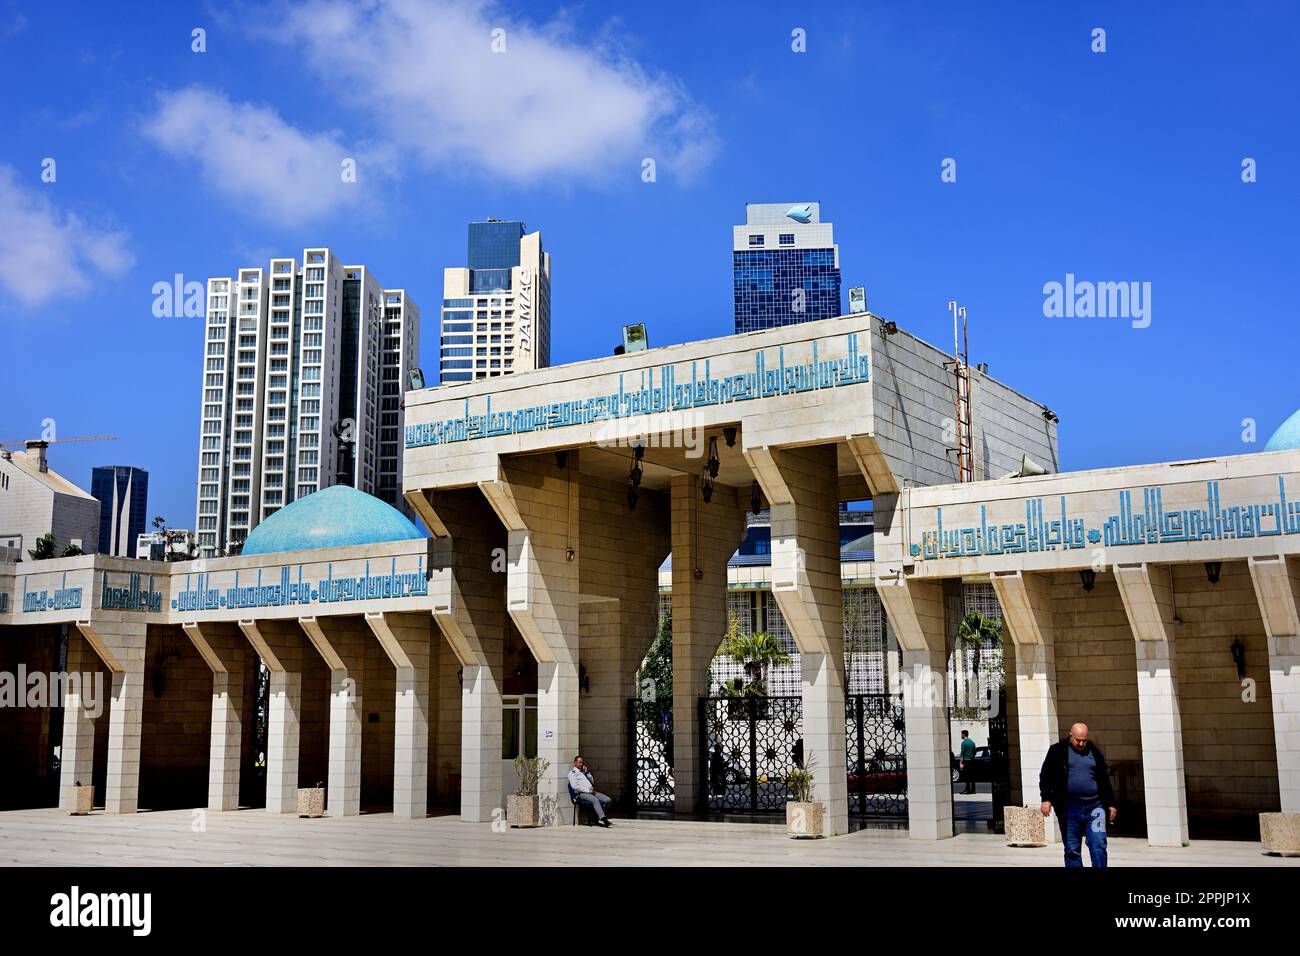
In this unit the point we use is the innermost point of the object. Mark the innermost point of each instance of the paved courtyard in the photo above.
(254, 837)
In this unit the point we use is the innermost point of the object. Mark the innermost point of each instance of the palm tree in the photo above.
(44, 549)
(757, 653)
(977, 630)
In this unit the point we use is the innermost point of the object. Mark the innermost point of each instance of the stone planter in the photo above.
(311, 802)
(804, 821)
(1025, 826)
(523, 811)
(1279, 833)
(85, 801)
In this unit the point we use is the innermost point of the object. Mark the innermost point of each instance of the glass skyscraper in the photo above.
(123, 494)
(496, 311)
(785, 266)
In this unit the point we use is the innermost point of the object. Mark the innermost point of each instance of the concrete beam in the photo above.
(1277, 589)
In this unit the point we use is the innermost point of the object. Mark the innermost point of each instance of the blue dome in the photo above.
(1287, 436)
(334, 517)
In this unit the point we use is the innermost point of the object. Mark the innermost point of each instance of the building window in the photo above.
(755, 240)
(787, 238)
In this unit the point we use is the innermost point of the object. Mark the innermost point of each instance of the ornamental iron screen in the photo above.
(650, 767)
(877, 755)
(748, 747)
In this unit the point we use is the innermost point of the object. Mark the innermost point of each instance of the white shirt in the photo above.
(581, 782)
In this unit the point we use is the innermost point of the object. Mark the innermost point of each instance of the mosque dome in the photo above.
(334, 517)
(1287, 435)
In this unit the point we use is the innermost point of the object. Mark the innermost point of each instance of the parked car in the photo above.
(887, 774)
(982, 767)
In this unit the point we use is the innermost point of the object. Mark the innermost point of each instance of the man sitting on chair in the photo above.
(584, 788)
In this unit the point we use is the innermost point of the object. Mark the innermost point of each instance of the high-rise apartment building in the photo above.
(786, 266)
(123, 494)
(496, 312)
(306, 362)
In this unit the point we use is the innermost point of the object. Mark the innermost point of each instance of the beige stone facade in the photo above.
(554, 498)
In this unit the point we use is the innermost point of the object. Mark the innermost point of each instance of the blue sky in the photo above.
(1117, 166)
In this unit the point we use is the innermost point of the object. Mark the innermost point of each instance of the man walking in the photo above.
(964, 763)
(1075, 783)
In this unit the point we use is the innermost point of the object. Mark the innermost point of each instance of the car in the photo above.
(982, 767)
(886, 774)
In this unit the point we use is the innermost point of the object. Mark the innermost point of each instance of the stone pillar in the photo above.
(226, 653)
(405, 639)
(1277, 588)
(121, 646)
(802, 489)
(340, 642)
(467, 561)
(916, 611)
(539, 505)
(82, 703)
(704, 537)
(279, 644)
(1148, 595)
(1026, 600)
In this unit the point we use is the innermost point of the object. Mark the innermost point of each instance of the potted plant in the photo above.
(311, 800)
(84, 798)
(803, 816)
(523, 807)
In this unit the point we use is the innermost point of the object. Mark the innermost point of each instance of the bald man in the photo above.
(1075, 783)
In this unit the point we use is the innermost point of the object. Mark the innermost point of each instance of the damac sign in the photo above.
(703, 389)
(290, 590)
(525, 318)
(1052, 527)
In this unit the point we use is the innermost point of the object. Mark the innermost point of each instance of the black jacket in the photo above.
(1054, 778)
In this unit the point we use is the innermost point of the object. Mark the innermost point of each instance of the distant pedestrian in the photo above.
(1075, 783)
(965, 764)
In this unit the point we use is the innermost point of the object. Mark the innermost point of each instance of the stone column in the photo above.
(704, 537)
(1147, 592)
(802, 488)
(1026, 600)
(1277, 588)
(916, 611)
(405, 639)
(279, 644)
(340, 642)
(467, 561)
(539, 505)
(225, 652)
(82, 703)
(121, 646)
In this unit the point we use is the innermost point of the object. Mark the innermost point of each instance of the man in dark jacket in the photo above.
(1074, 782)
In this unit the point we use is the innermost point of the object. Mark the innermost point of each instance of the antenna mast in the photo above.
(961, 369)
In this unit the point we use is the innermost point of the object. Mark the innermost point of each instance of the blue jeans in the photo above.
(1084, 820)
(597, 802)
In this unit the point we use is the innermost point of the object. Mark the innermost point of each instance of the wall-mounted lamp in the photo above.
(561, 460)
(755, 499)
(1212, 571)
(1089, 578)
(1239, 657)
(584, 682)
(714, 463)
(729, 433)
(569, 554)
(706, 486)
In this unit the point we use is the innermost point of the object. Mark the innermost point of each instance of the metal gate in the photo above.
(650, 767)
(877, 755)
(999, 746)
(748, 746)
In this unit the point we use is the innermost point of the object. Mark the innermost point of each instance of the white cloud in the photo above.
(553, 103)
(47, 253)
(251, 155)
